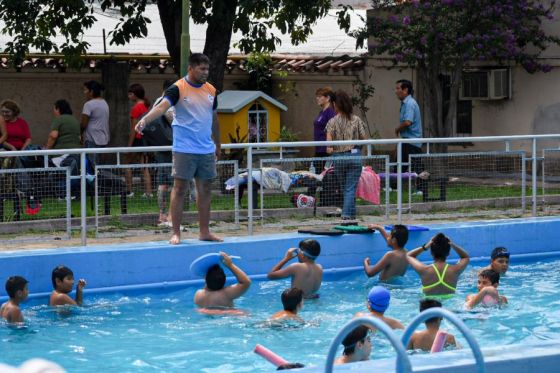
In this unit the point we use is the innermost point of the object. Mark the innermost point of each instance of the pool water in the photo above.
(153, 331)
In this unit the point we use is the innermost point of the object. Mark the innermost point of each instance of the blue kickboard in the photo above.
(411, 228)
(200, 265)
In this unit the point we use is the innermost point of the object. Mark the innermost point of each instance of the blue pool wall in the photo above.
(157, 264)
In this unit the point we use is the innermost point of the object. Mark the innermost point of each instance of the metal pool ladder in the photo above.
(403, 362)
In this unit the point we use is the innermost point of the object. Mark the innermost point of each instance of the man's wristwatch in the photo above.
(424, 248)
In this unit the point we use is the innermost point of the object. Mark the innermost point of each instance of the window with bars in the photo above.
(258, 123)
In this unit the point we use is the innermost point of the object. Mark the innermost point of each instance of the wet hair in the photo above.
(95, 87)
(290, 366)
(430, 303)
(406, 84)
(491, 275)
(440, 247)
(60, 273)
(215, 277)
(63, 107)
(138, 91)
(311, 247)
(343, 104)
(11, 105)
(196, 59)
(326, 92)
(291, 298)
(15, 284)
(400, 233)
(349, 342)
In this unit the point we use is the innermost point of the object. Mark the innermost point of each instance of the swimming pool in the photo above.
(160, 331)
(132, 325)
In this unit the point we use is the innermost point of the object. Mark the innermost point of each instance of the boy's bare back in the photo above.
(424, 340)
(11, 312)
(209, 299)
(397, 264)
(307, 277)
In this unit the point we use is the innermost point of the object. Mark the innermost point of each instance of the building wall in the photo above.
(37, 90)
(534, 107)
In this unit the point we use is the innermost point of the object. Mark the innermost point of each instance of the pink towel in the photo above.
(369, 186)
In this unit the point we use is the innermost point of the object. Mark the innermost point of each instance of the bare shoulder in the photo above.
(61, 299)
(199, 295)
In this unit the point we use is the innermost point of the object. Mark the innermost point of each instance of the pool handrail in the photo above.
(441, 312)
(403, 362)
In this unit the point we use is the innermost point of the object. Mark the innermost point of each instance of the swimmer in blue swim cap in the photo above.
(377, 303)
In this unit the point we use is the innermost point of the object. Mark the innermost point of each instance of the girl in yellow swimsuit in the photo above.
(439, 278)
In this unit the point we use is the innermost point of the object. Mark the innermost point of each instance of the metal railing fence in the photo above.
(517, 167)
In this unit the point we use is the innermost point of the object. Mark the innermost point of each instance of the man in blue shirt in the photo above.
(410, 127)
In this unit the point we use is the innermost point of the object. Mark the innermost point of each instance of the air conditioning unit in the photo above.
(485, 85)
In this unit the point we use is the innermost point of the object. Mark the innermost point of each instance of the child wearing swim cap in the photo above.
(394, 263)
(424, 339)
(499, 260)
(377, 303)
(306, 274)
(488, 281)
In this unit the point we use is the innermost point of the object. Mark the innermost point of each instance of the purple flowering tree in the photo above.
(442, 37)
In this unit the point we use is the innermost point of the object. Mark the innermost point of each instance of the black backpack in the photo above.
(158, 132)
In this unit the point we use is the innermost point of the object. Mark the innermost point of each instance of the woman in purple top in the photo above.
(324, 98)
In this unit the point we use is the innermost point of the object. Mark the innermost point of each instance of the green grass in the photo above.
(53, 208)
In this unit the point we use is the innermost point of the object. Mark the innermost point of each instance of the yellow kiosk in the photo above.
(255, 113)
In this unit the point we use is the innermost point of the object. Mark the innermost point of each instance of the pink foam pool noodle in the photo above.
(439, 341)
(269, 355)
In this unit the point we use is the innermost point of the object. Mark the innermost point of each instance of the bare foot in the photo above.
(210, 237)
(175, 239)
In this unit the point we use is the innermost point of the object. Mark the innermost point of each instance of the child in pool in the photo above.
(306, 274)
(377, 303)
(488, 281)
(214, 294)
(439, 278)
(16, 287)
(357, 346)
(394, 263)
(292, 300)
(63, 281)
(424, 339)
(499, 260)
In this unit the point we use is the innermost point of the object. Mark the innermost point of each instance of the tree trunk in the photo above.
(218, 38)
(170, 16)
(454, 85)
(115, 77)
(429, 77)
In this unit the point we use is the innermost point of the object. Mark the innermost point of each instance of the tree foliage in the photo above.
(34, 24)
(441, 37)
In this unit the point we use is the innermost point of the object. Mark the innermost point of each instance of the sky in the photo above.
(327, 38)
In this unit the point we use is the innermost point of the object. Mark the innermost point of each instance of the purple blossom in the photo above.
(406, 20)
